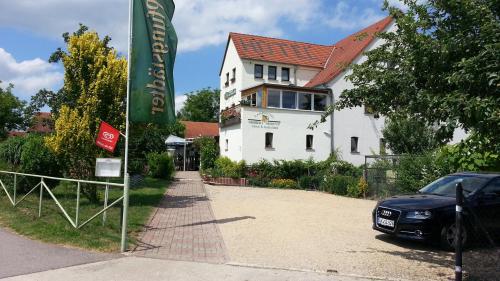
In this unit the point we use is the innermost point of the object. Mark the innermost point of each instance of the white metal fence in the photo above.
(11, 189)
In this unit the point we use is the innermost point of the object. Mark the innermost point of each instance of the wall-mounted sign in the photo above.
(107, 137)
(229, 94)
(264, 121)
(108, 167)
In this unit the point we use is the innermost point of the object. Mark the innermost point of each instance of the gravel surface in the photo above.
(318, 231)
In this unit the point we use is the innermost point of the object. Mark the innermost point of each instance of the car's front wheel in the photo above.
(448, 236)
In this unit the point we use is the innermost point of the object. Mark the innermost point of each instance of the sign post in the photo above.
(107, 168)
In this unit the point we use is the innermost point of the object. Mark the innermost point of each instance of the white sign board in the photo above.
(108, 167)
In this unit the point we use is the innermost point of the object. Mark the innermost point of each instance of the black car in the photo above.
(429, 215)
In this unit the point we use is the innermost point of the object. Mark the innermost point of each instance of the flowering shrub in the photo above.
(284, 183)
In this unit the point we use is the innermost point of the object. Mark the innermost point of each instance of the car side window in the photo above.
(493, 187)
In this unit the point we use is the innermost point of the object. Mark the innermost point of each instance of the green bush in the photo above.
(38, 159)
(260, 182)
(136, 166)
(291, 169)
(283, 183)
(225, 167)
(473, 154)
(209, 151)
(161, 165)
(358, 189)
(310, 182)
(337, 184)
(10, 151)
(263, 169)
(345, 168)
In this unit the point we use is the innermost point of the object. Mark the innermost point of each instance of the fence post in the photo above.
(125, 213)
(77, 204)
(106, 195)
(458, 237)
(15, 187)
(41, 197)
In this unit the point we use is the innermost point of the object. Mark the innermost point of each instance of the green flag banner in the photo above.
(154, 46)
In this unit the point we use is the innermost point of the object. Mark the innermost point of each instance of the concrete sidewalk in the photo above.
(136, 268)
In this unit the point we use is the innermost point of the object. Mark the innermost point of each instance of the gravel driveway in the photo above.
(318, 231)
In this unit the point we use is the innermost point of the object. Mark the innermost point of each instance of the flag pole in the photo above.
(126, 179)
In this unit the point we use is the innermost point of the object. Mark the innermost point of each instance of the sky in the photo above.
(30, 30)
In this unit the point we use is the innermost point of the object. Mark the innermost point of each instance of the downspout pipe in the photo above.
(332, 124)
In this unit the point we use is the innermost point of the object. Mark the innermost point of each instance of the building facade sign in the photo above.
(229, 94)
(264, 121)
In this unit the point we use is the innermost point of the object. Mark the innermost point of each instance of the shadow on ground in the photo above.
(221, 221)
(418, 251)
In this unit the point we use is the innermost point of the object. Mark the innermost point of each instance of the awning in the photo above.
(175, 140)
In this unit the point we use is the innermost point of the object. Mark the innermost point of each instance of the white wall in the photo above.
(289, 136)
(232, 60)
(234, 136)
(353, 122)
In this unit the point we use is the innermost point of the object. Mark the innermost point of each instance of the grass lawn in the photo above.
(54, 228)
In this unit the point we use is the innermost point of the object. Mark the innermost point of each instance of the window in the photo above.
(234, 75)
(289, 100)
(354, 144)
(305, 101)
(309, 141)
(227, 79)
(269, 140)
(259, 71)
(227, 145)
(285, 74)
(493, 188)
(383, 146)
(271, 72)
(320, 102)
(258, 99)
(253, 99)
(273, 98)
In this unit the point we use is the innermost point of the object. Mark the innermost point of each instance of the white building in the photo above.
(272, 90)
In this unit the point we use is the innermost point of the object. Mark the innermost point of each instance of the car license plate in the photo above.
(385, 222)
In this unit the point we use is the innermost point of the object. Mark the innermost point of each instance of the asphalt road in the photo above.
(19, 255)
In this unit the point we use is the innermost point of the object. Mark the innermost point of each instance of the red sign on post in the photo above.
(108, 137)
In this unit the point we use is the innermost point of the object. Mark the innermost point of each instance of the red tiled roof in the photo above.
(346, 50)
(17, 134)
(280, 51)
(200, 129)
(42, 123)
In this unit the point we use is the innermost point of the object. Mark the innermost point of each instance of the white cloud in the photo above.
(202, 23)
(179, 102)
(349, 17)
(199, 23)
(28, 76)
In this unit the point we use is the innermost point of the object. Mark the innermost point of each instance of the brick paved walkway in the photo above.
(183, 226)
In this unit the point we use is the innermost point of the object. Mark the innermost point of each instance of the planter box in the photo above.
(225, 181)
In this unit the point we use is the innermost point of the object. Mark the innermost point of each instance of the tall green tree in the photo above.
(201, 106)
(441, 65)
(11, 111)
(95, 81)
(405, 135)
